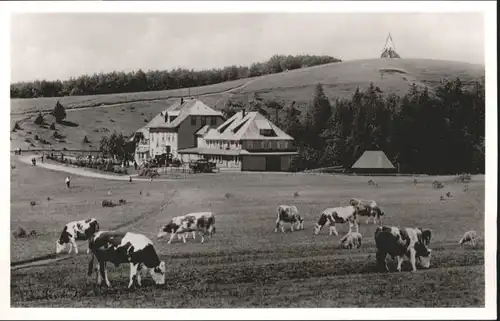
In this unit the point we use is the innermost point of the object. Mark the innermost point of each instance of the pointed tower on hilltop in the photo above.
(389, 50)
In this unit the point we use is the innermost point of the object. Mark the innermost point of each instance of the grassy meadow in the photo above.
(246, 264)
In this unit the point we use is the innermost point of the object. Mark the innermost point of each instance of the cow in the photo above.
(172, 227)
(288, 214)
(351, 240)
(74, 231)
(337, 215)
(469, 236)
(201, 222)
(401, 243)
(368, 208)
(125, 247)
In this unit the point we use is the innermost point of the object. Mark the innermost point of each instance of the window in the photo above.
(203, 120)
(213, 121)
(193, 120)
(281, 145)
(263, 144)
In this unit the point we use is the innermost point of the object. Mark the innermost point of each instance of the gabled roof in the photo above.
(142, 130)
(245, 127)
(189, 107)
(373, 159)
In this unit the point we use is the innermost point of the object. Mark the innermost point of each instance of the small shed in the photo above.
(373, 161)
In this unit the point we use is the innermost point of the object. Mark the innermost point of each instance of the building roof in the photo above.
(142, 130)
(247, 126)
(373, 159)
(203, 130)
(189, 107)
(228, 152)
(209, 151)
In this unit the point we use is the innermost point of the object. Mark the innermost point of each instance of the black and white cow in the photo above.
(335, 215)
(125, 247)
(401, 243)
(288, 214)
(351, 240)
(201, 222)
(368, 208)
(76, 230)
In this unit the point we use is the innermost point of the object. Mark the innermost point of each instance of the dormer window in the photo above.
(267, 132)
(172, 118)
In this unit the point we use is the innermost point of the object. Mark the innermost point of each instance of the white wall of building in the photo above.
(159, 141)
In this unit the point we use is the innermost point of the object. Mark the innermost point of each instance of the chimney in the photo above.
(182, 100)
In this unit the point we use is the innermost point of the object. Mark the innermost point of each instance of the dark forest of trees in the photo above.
(136, 81)
(439, 133)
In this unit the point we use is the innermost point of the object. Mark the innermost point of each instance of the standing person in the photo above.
(33, 161)
(135, 165)
(42, 157)
(67, 181)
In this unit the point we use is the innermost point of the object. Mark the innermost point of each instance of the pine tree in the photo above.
(59, 112)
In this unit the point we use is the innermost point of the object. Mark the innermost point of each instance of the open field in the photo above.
(338, 79)
(246, 264)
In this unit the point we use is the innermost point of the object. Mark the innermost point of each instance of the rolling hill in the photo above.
(93, 116)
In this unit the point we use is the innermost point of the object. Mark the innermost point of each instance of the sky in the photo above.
(62, 45)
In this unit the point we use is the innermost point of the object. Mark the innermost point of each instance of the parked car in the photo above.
(202, 166)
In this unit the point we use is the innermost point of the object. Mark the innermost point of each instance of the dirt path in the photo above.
(83, 172)
(68, 109)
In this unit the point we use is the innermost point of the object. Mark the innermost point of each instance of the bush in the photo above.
(53, 126)
(437, 185)
(107, 203)
(464, 178)
(39, 119)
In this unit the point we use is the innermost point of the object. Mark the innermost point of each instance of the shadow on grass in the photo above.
(68, 123)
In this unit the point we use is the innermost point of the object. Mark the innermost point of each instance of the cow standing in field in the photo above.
(335, 215)
(401, 243)
(120, 247)
(351, 240)
(469, 236)
(368, 208)
(288, 214)
(76, 230)
(201, 222)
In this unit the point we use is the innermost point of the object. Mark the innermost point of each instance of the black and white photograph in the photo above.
(245, 157)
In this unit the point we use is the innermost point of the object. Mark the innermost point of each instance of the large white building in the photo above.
(247, 141)
(174, 129)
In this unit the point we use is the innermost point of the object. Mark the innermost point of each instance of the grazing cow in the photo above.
(368, 208)
(469, 236)
(76, 230)
(351, 240)
(125, 247)
(337, 215)
(401, 243)
(288, 214)
(201, 222)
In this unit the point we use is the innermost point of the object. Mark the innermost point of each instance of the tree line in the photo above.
(154, 80)
(439, 132)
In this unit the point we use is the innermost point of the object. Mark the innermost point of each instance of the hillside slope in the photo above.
(338, 79)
